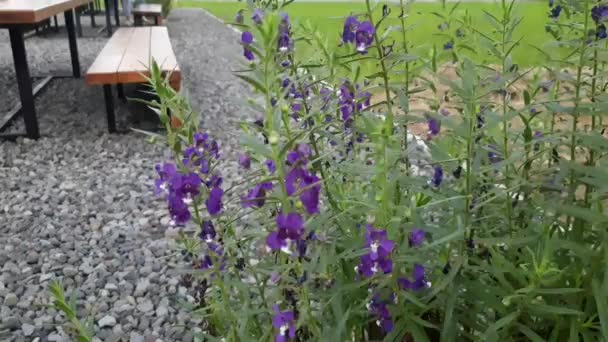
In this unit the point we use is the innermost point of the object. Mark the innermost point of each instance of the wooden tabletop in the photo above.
(33, 11)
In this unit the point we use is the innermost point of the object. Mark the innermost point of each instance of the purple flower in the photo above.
(214, 202)
(444, 112)
(364, 100)
(417, 282)
(364, 36)
(493, 154)
(258, 16)
(437, 176)
(368, 267)
(551, 2)
(270, 165)
(307, 184)
(245, 161)
(178, 210)
(599, 13)
(284, 26)
(350, 27)
(207, 232)
(239, 17)
(290, 228)
(537, 135)
(555, 11)
(601, 33)
(246, 38)
(283, 321)
(284, 43)
(434, 127)
(256, 197)
(378, 243)
(165, 172)
(416, 237)
(448, 45)
(186, 186)
(380, 310)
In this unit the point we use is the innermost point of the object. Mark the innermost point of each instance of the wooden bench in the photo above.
(148, 10)
(127, 57)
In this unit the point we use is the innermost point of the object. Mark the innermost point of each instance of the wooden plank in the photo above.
(162, 52)
(34, 11)
(148, 9)
(136, 60)
(104, 69)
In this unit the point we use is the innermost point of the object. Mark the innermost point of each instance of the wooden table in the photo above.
(18, 16)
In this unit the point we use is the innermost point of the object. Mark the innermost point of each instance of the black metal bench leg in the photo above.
(155, 20)
(69, 24)
(120, 91)
(56, 23)
(108, 18)
(116, 13)
(137, 20)
(78, 12)
(28, 108)
(107, 94)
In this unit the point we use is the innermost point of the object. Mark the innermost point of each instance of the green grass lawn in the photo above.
(328, 18)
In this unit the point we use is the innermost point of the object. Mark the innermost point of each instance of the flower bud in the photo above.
(274, 138)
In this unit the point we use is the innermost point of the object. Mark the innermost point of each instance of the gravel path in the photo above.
(78, 204)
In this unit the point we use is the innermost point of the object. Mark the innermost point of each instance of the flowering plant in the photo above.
(488, 224)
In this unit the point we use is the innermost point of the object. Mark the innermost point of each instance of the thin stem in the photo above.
(575, 115)
(407, 85)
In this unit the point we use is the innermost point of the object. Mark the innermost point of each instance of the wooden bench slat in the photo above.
(126, 57)
(162, 52)
(148, 9)
(104, 69)
(136, 60)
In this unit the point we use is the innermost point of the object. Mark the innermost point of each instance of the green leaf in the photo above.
(602, 307)
(534, 337)
(552, 310)
(253, 82)
(491, 334)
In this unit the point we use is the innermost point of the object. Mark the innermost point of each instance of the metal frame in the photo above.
(107, 94)
(24, 81)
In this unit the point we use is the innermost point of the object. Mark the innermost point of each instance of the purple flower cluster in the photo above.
(284, 322)
(377, 259)
(182, 188)
(215, 251)
(256, 197)
(599, 13)
(285, 43)
(300, 181)
(350, 103)
(246, 41)
(360, 33)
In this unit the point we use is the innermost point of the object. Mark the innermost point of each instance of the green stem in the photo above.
(505, 121)
(575, 115)
(407, 85)
(388, 129)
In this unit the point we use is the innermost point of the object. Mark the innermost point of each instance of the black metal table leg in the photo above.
(120, 91)
(116, 13)
(78, 12)
(69, 24)
(108, 18)
(156, 20)
(28, 108)
(92, 14)
(107, 94)
(56, 23)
